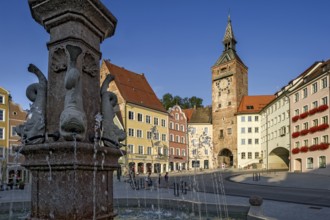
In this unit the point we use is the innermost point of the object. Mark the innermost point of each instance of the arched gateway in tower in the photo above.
(229, 85)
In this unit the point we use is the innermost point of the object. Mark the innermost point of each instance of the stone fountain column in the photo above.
(71, 176)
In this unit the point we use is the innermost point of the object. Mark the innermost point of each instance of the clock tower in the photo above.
(229, 85)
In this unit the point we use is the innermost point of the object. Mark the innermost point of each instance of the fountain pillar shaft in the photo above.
(65, 186)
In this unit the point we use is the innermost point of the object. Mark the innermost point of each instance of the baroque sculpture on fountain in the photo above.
(33, 130)
(72, 119)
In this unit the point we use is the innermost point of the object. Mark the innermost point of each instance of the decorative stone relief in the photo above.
(90, 65)
(59, 60)
(33, 130)
(112, 135)
(73, 119)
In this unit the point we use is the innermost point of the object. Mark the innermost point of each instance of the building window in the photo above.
(182, 140)
(305, 125)
(296, 97)
(249, 118)
(139, 133)
(2, 115)
(163, 137)
(243, 130)
(256, 141)
(315, 122)
(296, 112)
(140, 117)
(130, 115)
(256, 118)
(171, 137)
(182, 128)
(130, 148)
(177, 127)
(156, 136)
(131, 132)
(243, 155)
(221, 134)
(171, 151)
(249, 155)
(325, 120)
(322, 162)
(324, 82)
(2, 151)
(242, 141)
(324, 100)
(249, 130)
(149, 135)
(155, 121)
(310, 163)
(305, 108)
(242, 118)
(183, 151)
(256, 130)
(13, 132)
(325, 139)
(314, 87)
(249, 141)
(177, 139)
(149, 150)
(256, 155)
(316, 140)
(140, 149)
(2, 99)
(229, 131)
(305, 94)
(148, 119)
(2, 133)
(177, 151)
(306, 142)
(160, 152)
(315, 104)
(206, 130)
(176, 116)
(171, 125)
(163, 123)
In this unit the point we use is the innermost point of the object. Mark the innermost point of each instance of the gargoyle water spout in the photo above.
(35, 123)
(73, 118)
(109, 101)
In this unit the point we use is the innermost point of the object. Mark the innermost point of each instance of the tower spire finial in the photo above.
(229, 15)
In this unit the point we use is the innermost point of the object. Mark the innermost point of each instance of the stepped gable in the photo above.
(134, 87)
(254, 104)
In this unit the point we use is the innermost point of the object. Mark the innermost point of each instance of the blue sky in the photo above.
(176, 42)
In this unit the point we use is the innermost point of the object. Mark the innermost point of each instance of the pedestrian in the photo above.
(147, 181)
(166, 179)
(159, 177)
(118, 173)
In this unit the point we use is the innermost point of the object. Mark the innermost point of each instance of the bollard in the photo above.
(176, 189)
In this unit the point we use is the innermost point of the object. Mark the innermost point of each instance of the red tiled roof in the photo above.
(254, 104)
(134, 87)
(188, 112)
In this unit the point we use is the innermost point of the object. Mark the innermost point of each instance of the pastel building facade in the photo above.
(309, 108)
(200, 139)
(144, 118)
(178, 151)
(249, 131)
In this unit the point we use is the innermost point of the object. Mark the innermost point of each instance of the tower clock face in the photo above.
(223, 84)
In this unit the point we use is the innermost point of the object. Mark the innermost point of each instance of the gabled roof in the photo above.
(254, 104)
(134, 88)
(199, 115)
(188, 113)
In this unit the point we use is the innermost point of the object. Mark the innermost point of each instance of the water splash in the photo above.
(97, 129)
